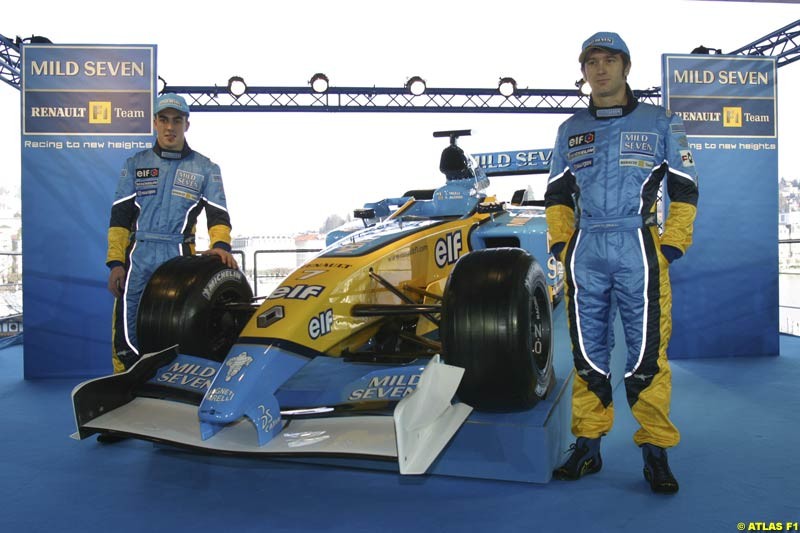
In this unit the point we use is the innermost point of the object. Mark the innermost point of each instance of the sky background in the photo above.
(286, 172)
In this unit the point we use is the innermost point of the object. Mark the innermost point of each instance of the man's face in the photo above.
(606, 74)
(171, 126)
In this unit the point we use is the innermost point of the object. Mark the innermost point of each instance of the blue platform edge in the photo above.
(523, 446)
(526, 446)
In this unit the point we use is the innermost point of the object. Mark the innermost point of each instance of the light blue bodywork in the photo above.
(258, 381)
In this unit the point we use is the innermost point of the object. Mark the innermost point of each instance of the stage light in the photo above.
(319, 82)
(507, 86)
(236, 86)
(583, 87)
(416, 85)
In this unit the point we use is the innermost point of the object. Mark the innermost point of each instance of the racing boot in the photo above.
(585, 459)
(656, 470)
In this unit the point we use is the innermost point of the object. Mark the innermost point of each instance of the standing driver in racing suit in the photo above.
(607, 166)
(160, 193)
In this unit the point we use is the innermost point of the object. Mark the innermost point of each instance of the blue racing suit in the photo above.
(601, 202)
(159, 196)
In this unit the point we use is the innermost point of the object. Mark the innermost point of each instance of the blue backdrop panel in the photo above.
(725, 291)
(84, 110)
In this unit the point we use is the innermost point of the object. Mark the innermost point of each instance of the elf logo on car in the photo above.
(447, 249)
(219, 278)
(321, 324)
(298, 292)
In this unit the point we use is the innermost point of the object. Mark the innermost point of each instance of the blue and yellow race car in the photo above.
(378, 347)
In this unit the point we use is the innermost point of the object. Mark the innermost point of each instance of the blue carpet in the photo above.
(737, 462)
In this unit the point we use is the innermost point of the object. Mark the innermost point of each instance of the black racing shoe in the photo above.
(585, 459)
(656, 470)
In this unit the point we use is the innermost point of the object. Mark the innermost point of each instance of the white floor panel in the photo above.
(177, 422)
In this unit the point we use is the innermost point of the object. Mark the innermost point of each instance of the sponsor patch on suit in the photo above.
(188, 180)
(580, 139)
(638, 142)
(686, 158)
(575, 154)
(146, 173)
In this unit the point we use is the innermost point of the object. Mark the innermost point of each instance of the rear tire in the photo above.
(497, 324)
(184, 303)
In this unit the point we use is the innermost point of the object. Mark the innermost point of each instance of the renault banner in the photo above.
(725, 291)
(85, 109)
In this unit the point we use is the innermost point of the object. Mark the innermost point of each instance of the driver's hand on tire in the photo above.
(116, 281)
(224, 255)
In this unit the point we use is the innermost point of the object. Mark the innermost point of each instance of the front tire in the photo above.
(497, 324)
(186, 302)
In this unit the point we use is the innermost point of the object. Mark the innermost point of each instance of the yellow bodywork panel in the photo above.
(409, 255)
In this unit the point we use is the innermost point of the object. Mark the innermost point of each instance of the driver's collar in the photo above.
(616, 110)
(163, 153)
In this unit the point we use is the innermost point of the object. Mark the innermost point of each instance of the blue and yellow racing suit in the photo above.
(159, 197)
(601, 200)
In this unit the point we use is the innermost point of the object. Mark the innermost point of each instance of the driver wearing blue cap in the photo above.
(160, 193)
(601, 205)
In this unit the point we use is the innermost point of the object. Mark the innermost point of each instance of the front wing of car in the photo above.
(416, 432)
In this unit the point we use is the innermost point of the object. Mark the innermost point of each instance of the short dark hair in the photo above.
(626, 60)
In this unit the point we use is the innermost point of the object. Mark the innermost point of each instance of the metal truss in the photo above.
(382, 99)
(9, 62)
(783, 44)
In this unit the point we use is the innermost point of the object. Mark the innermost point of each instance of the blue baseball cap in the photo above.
(173, 101)
(605, 40)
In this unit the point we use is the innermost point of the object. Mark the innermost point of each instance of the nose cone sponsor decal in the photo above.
(236, 364)
(187, 373)
(220, 394)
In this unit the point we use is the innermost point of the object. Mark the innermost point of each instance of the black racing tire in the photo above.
(184, 303)
(497, 324)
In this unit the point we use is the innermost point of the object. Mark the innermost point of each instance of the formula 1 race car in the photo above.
(378, 347)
